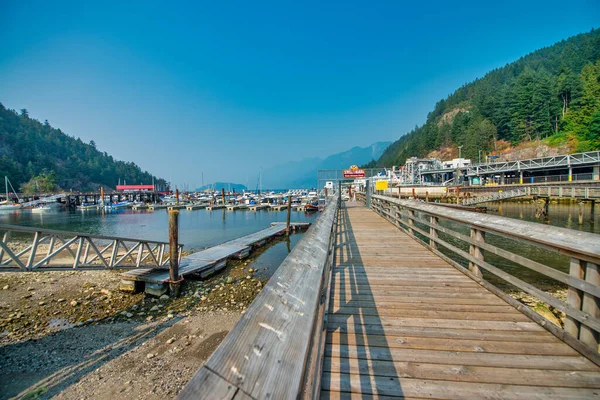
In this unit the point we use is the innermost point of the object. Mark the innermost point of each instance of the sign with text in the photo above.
(354, 172)
(381, 185)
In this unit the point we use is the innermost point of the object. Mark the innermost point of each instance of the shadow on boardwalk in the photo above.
(356, 355)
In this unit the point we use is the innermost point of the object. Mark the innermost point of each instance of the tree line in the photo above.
(552, 94)
(39, 158)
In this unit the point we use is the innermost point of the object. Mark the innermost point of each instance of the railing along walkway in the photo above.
(404, 323)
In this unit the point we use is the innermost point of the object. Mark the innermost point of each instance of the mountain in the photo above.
(303, 173)
(38, 157)
(550, 97)
(223, 185)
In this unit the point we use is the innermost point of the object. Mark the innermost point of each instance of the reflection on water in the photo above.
(269, 261)
(563, 215)
(197, 229)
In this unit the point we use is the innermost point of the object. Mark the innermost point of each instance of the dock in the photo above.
(175, 207)
(366, 306)
(139, 207)
(203, 263)
(191, 207)
(153, 207)
(215, 207)
(278, 207)
(256, 207)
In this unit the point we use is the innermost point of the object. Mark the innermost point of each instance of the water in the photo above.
(197, 229)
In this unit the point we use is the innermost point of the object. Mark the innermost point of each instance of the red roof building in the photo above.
(135, 188)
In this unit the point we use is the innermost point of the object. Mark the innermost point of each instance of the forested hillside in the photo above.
(38, 157)
(552, 95)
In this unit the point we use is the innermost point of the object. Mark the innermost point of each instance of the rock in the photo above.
(5, 287)
(106, 292)
(248, 277)
(150, 355)
(60, 300)
(229, 279)
(170, 316)
(155, 308)
(251, 270)
(149, 319)
(164, 297)
(42, 303)
(128, 315)
(170, 341)
(30, 289)
(74, 303)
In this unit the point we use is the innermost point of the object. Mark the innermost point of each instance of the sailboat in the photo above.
(6, 205)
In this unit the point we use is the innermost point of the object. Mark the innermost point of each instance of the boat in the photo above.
(89, 206)
(41, 209)
(311, 206)
(6, 205)
(116, 206)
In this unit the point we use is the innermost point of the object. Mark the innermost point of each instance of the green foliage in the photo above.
(43, 183)
(370, 164)
(32, 153)
(552, 93)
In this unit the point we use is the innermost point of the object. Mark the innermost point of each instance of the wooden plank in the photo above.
(497, 307)
(460, 373)
(434, 314)
(409, 388)
(337, 320)
(550, 362)
(206, 384)
(478, 346)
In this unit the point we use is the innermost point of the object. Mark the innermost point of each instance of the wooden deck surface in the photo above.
(404, 323)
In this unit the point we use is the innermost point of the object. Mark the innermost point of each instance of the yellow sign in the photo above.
(381, 185)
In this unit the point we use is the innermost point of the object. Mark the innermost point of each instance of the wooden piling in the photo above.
(101, 195)
(174, 252)
(177, 195)
(223, 195)
(580, 214)
(289, 214)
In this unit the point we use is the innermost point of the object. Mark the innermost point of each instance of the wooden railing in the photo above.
(29, 249)
(275, 351)
(439, 229)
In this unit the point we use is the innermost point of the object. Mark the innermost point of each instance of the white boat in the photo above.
(115, 206)
(41, 209)
(86, 206)
(6, 205)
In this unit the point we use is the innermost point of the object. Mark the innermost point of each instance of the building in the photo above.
(135, 188)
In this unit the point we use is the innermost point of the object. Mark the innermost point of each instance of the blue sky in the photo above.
(224, 88)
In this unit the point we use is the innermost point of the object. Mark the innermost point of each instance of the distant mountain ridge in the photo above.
(303, 173)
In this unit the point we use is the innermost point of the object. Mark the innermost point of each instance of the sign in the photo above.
(381, 185)
(354, 172)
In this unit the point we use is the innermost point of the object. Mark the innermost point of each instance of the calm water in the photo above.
(197, 229)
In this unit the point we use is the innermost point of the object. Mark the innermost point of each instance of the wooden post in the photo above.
(289, 214)
(433, 232)
(574, 298)
(177, 195)
(476, 251)
(411, 222)
(174, 252)
(223, 195)
(592, 211)
(591, 305)
(427, 197)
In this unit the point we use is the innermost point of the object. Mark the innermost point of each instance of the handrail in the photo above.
(270, 353)
(52, 249)
(582, 325)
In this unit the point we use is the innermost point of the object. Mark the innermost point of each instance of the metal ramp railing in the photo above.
(44, 200)
(29, 249)
(509, 194)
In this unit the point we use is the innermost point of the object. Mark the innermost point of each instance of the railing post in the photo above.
(174, 252)
(574, 298)
(289, 214)
(433, 231)
(476, 251)
(590, 306)
(368, 194)
(411, 222)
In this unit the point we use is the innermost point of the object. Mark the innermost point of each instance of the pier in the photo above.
(395, 300)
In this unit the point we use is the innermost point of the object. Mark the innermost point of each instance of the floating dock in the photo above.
(278, 207)
(192, 207)
(153, 207)
(256, 207)
(202, 263)
(175, 207)
(140, 207)
(215, 207)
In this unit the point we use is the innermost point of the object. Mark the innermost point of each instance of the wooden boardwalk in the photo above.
(404, 323)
